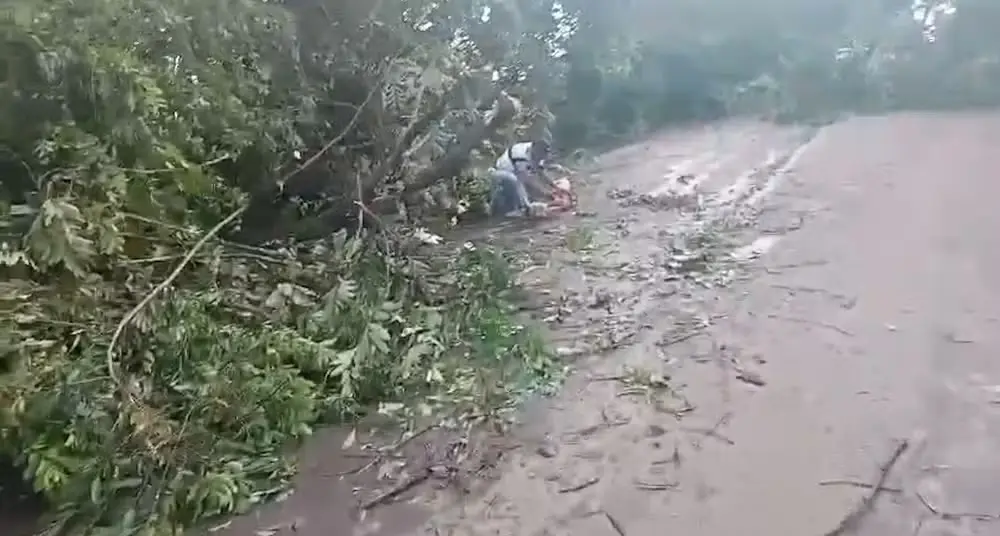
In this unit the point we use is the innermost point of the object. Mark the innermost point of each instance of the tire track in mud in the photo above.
(609, 448)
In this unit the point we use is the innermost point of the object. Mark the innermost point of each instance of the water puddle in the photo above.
(325, 498)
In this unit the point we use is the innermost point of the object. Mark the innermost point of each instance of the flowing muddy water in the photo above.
(774, 346)
(603, 295)
(704, 159)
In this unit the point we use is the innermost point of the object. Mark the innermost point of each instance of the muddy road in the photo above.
(757, 317)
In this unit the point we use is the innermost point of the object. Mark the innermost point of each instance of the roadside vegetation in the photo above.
(213, 214)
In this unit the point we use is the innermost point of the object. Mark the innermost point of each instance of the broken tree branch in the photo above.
(412, 132)
(457, 157)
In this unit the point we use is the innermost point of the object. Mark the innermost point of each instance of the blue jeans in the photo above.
(507, 194)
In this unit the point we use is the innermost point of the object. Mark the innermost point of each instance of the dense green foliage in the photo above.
(197, 258)
(641, 65)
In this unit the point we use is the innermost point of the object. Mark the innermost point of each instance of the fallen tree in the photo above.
(157, 358)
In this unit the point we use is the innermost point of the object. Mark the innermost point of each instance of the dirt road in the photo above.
(870, 317)
(760, 313)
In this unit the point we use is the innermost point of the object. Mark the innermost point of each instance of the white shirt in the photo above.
(517, 159)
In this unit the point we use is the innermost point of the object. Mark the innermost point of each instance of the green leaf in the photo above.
(344, 362)
(414, 355)
(379, 337)
(96, 491)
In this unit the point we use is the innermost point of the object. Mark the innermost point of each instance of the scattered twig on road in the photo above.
(629, 391)
(826, 325)
(713, 431)
(795, 289)
(653, 486)
(952, 338)
(675, 459)
(777, 269)
(858, 485)
(812, 290)
(852, 519)
(384, 452)
(951, 516)
(616, 343)
(397, 490)
(612, 378)
(709, 433)
(606, 422)
(361, 468)
(615, 524)
(677, 412)
(611, 423)
(750, 377)
(581, 486)
(681, 338)
(585, 431)
(784, 229)
(291, 526)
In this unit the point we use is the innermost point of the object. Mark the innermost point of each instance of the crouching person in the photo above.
(508, 198)
(517, 169)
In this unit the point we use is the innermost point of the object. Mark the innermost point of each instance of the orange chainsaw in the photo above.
(563, 197)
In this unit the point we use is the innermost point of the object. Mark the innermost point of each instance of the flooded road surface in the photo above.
(759, 316)
(845, 298)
